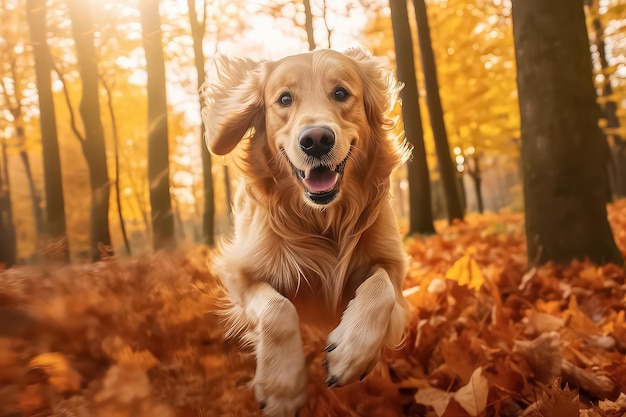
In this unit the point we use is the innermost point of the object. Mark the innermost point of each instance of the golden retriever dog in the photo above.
(314, 237)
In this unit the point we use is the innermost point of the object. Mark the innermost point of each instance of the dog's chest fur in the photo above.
(299, 255)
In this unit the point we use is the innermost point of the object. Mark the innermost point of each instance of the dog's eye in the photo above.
(285, 99)
(341, 94)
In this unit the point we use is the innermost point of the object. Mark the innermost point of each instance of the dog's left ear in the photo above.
(233, 103)
(381, 89)
(381, 93)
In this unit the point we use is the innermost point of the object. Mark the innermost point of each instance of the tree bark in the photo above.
(118, 194)
(14, 104)
(8, 237)
(56, 229)
(93, 141)
(158, 144)
(308, 24)
(420, 216)
(476, 176)
(198, 29)
(446, 167)
(35, 198)
(563, 155)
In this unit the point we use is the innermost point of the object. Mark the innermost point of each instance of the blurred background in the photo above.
(119, 114)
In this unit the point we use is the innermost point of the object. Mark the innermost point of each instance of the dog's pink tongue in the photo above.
(320, 179)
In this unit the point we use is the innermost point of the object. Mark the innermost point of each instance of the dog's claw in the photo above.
(332, 381)
(325, 363)
(362, 377)
(262, 405)
(330, 347)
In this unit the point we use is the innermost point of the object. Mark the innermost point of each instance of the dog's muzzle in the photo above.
(321, 184)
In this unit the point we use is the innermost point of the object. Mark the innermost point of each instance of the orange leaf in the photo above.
(60, 373)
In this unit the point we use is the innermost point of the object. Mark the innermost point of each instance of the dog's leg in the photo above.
(280, 379)
(372, 318)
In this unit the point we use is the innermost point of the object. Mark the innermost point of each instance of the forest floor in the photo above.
(139, 337)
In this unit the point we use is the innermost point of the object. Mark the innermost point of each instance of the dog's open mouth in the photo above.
(321, 184)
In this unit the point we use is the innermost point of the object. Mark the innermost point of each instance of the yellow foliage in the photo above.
(467, 273)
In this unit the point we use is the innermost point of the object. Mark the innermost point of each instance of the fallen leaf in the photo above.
(543, 355)
(435, 398)
(467, 273)
(60, 374)
(473, 396)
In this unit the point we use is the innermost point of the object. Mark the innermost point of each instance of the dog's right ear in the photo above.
(233, 103)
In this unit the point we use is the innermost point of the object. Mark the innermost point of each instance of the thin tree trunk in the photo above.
(179, 221)
(308, 24)
(139, 193)
(446, 167)
(420, 217)
(329, 31)
(8, 238)
(118, 197)
(198, 29)
(56, 229)
(618, 151)
(563, 153)
(34, 195)
(93, 141)
(14, 104)
(462, 194)
(158, 143)
(476, 176)
(13, 101)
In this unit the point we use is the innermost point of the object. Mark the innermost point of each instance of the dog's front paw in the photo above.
(352, 352)
(280, 379)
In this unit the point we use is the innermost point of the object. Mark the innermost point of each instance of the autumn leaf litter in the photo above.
(487, 337)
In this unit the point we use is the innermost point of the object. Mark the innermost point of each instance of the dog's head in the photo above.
(312, 119)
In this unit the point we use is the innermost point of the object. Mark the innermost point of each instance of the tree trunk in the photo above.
(116, 139)
(56, 230)
(34, 195)
(158, 144)
(93, 141)
(420, 217)
(14, 104)
(476, 176)
(308, 24)
(618, 150)
(446, 167)
(563, 155)
(8, 238)
(198, 29)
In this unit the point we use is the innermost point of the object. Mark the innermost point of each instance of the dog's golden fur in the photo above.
(289, 254)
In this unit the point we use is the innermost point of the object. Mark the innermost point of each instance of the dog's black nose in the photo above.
(316, 140)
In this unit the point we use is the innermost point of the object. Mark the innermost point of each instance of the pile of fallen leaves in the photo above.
(487, 337)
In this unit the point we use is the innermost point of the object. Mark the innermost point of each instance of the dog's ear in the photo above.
(233, 103)
(381, 94)
(381, 90)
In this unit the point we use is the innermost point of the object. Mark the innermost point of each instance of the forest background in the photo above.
(512, 107)
(473, 47)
